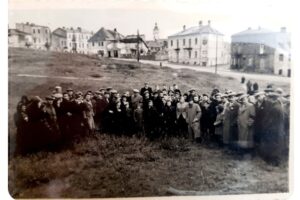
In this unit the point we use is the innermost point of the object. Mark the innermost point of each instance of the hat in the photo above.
(273, 94)
(57, 95)
(49, 98)
(101, 89)
(106, 92)
(224, 95)
(269, 90)
(231, 94)
(192, 90)
(204, 95)
(114, 91)
(97, 92)
(69, 89)
(135, 90)
(239, 94)
(108, 88)
(279, 90)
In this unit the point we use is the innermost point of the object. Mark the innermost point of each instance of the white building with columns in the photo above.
(200, 45)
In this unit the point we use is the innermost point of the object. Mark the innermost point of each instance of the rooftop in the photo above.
(105, 34)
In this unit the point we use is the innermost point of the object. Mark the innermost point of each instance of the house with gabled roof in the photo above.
(59, 40)
(105, 43)
(262, 50)
(17, 38)
(200, 45)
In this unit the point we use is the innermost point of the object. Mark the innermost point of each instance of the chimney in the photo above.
(184, 27)
(200, 23)
(115, 29)
(283, 29)
(208, 23)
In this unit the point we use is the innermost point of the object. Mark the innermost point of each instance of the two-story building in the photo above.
(77, 40)
(41, 35)
(200, 45)
(262, 50)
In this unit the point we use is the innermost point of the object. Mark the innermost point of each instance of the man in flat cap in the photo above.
(71, 93)
(136, 98)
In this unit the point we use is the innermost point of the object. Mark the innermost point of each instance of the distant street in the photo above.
(221, 70)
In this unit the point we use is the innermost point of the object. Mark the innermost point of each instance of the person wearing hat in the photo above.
(246, 117)
(192, 93)
(193, 114)
(101, 90)
(146, 99)
(205, 116)
(52, 134)
(136, 98)
(272, 139)
(230, 129)
(176, 90)
(71, 94)
(146, 88)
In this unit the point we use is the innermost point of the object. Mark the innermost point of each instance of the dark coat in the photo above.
(230, 130)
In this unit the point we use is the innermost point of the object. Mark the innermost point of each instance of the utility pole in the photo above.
(216, 67)
(137, 47)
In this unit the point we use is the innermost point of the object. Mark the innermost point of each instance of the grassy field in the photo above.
(108, 166)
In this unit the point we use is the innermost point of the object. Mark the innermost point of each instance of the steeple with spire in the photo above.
(155, 32)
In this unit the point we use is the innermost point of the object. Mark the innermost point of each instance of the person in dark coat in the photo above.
(146, 88)
(117, 120)
(64, 115)
(127, 117)
(272, 140)
(205, 117)
(230, 127)
(169, 119)
(151, 118)
(21, 122)
(24, 101)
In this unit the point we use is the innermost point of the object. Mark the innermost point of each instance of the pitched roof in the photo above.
(197, 30)
(17, 32)
(105, 35)
(278, 40)
(60, 32)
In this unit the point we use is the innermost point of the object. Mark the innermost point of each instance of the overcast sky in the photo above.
(227, 16)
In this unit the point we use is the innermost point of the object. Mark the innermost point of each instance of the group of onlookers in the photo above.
(255, 121)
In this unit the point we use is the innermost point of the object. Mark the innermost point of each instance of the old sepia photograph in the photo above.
(149, 98)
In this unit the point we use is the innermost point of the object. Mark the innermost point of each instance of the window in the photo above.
(34, 40)
(102, 43)
(196, 41)
(39, 31)
(171, 43)
(70, 45)
(190, 54)
(190, 42)
(281, 57)
(93, 44)
(183, 42)
(196, 54)
(177, 43)
(33, 30)
(99, 44)
(261, 48)
(204, 41)
(46, 31)
(250, 61)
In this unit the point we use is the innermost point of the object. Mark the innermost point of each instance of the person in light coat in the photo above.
(246, 117)
(193, 114)
(181, 117)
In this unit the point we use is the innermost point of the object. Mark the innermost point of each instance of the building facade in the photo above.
(200, 45)
(77, 40)
(261, 50)
(17, 38)
(41, 35)
(59, 40)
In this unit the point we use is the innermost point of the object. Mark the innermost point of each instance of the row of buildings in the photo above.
(253, 50)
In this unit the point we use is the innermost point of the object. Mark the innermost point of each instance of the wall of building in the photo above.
(58, 43)
(199, 50)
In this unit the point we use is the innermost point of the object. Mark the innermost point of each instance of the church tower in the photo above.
(155, 32)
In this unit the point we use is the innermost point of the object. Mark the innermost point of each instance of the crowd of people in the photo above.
(247, 122)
